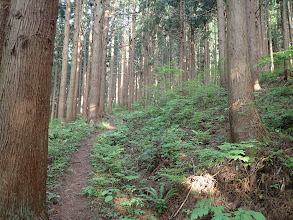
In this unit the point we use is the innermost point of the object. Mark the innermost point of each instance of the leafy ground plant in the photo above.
(204, 207)
(158, 197)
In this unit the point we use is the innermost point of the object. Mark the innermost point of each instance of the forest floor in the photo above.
(71, 203)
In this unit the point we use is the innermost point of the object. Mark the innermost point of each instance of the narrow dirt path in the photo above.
(72, 204)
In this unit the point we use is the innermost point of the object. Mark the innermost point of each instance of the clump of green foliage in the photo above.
(158, 197)
(204, 207)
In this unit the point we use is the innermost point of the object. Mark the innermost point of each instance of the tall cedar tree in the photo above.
(222, 41)
(285, 33)
(245, 121)
(63, 82)
(93, 101)
(70, 116)
(25, 80)
(104, 43)
(111, 80)
(131, 61)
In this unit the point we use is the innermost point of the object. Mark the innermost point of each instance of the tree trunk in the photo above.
(156, 56)
(54, 91)
(4, 12)
(263, 36)
(70, 102)
(146, 73)
(207, 62)
(63, 83)
(140, 82)
(86, 82)
(183, 64)
(122, 70)
(285, 32)
(270, 37)
(104, 59)
(95, 81)
(254, 42)
(188, 53)
(290, 21)
(136, 84)
(222, 41)
(131, 61)
(192, 51)
(76, 97)
(215, 57)
(25, 82)
(195, 75)
(110, 100)
(118, 81)
(245, 121)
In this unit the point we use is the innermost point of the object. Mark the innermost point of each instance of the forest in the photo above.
(155, 109)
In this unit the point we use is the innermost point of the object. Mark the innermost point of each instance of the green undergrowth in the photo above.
(206, 207)
(275, 104)
(63, 141)
(141, 166)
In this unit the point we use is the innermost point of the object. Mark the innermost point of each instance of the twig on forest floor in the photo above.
(174, 215)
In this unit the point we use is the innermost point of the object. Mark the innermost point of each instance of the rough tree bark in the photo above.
(122, 69)
(183, 61)
(77, 86)
(25, 82)
(141, 66)
(126, 69)
(285, 33)
(4, 11)
(263, 36)
(70, 101)
(289, 6)
(105, 37)
(146, 73)
(63, 83)
(222, 41)
(118, 81)
(95, 81)
(270, 37)
(254, 41)
(192, 53)
(111, 83)
(131, 61)
(86, 82)
(54, 91)
(245, 121)
(215, 57)
(207, 60)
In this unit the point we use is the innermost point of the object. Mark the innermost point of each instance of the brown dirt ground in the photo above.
(72, 204)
